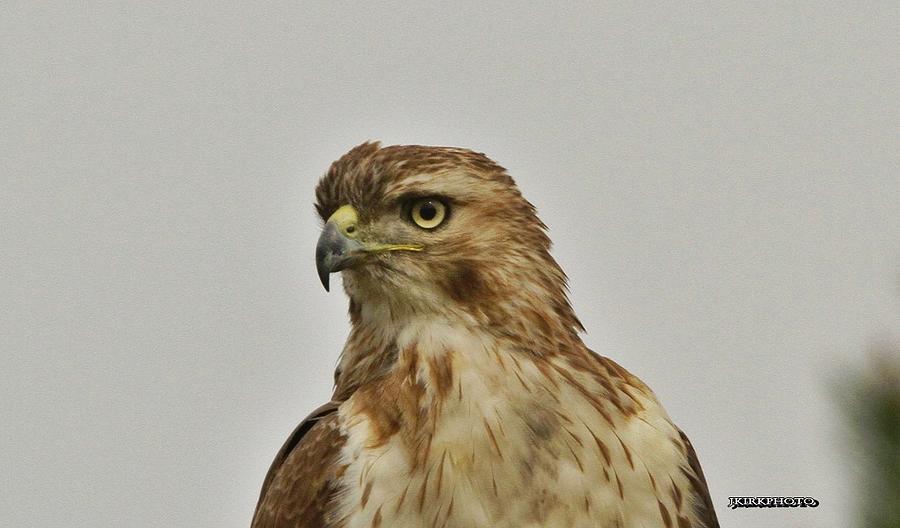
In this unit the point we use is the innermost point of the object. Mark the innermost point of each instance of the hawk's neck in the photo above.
(379, 338)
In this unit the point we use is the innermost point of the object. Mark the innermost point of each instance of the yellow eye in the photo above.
(428, 213)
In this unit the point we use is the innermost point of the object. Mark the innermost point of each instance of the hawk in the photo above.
(464, 396)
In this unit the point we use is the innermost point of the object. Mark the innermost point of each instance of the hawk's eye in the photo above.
(428, 213)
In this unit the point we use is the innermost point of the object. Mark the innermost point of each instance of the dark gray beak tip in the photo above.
(324, 276)
(323, 260)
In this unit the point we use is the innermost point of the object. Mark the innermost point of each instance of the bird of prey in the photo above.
(464, 396)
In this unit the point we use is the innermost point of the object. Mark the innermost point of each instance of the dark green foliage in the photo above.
(871, 401)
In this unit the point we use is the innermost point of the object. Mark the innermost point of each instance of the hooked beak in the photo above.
(339, 249)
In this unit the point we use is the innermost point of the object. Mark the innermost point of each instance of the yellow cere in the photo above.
(345, 218)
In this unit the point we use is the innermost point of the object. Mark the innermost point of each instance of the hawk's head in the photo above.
(443, 230)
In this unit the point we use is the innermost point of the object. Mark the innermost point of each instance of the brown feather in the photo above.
(702, 502)
(301, 482)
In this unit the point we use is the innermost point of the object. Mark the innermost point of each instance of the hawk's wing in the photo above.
(298, 487)
(702, 503)
(699, 491)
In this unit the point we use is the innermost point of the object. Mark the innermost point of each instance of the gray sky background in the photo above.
(722, 184)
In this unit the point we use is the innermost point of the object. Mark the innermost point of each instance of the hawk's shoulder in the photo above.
(298, 489)
(703, 505)
(635, 402)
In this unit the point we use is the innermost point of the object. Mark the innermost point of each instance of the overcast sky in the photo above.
(722, 184)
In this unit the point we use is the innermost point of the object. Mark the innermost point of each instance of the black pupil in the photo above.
(428, 211)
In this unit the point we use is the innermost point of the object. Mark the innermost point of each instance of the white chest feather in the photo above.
(504, 440)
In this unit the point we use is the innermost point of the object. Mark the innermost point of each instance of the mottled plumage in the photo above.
(464, 396)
